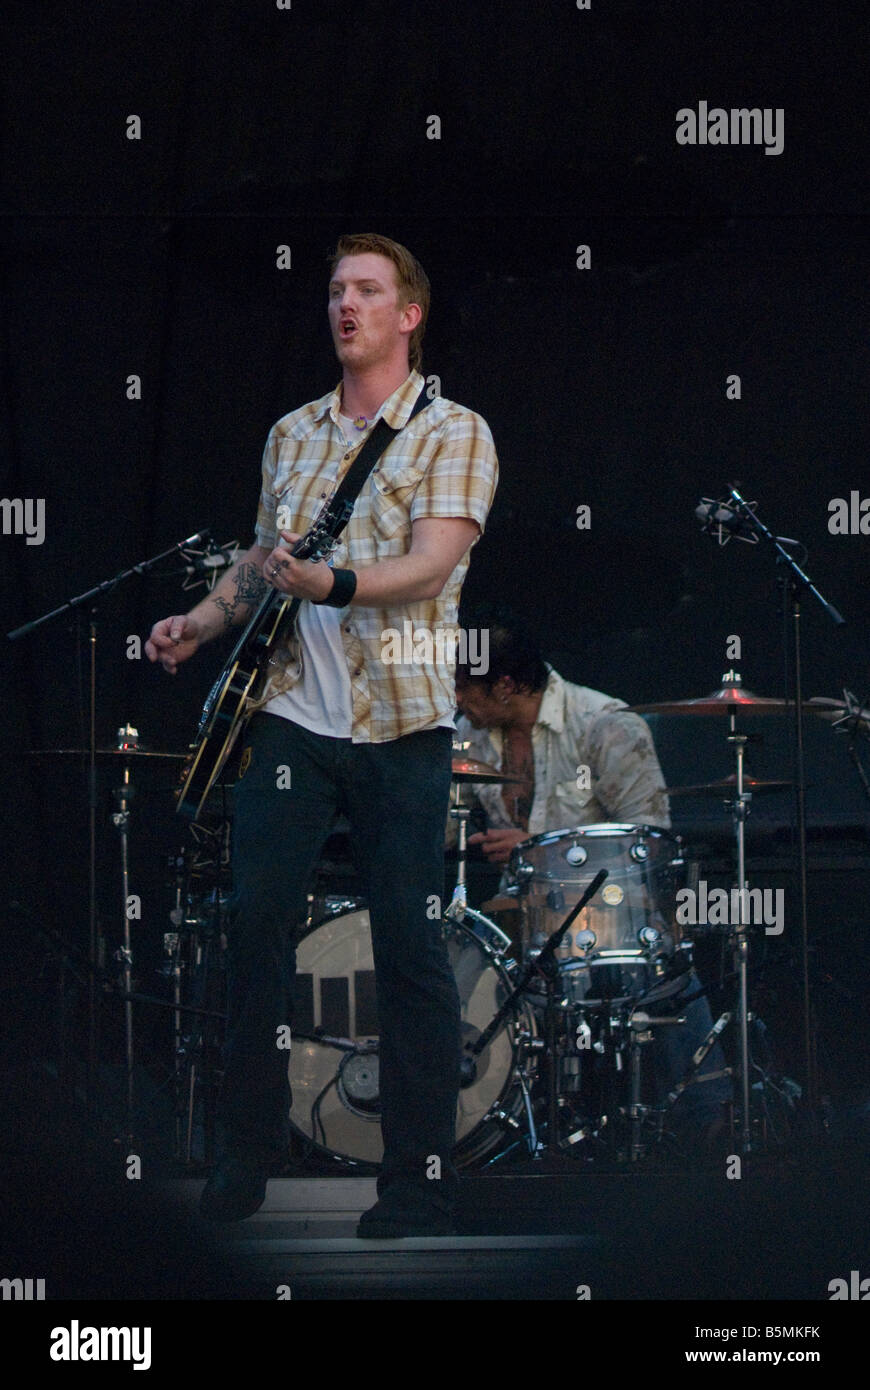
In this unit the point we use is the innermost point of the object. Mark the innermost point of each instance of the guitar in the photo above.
(245, 674)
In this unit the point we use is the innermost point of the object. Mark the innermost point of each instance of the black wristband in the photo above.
(342, 591)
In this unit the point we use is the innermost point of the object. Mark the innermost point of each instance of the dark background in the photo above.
(603, 387)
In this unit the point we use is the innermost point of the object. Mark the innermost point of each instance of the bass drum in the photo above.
(336, 1099)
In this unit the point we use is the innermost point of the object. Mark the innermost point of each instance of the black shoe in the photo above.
(235, 1190)
(706, 1139)
(393, 1219)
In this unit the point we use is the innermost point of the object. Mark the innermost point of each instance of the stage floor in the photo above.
(781, 1231)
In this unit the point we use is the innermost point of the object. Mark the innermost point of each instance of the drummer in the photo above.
(580, 759)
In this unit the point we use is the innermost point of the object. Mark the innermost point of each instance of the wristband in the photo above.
(342, 591)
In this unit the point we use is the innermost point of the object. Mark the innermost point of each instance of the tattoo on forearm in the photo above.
(251, 588)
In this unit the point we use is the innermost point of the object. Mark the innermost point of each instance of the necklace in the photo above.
(360, 422)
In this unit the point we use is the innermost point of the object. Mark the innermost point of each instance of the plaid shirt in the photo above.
(443, 465)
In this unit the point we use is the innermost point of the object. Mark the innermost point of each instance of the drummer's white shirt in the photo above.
(576, 728)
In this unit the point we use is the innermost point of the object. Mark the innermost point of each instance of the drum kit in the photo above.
(582, 960)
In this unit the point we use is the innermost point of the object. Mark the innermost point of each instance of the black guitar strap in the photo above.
(380, 437)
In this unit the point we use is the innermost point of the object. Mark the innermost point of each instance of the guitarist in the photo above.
(340, 727)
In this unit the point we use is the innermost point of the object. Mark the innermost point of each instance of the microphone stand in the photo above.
(96, 944)
(797, 581)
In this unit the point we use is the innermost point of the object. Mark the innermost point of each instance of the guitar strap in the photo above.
(381, 436)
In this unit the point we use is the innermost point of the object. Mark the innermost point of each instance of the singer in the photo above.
(361, 737)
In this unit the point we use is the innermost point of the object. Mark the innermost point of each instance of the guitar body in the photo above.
(245, 674)
(223, 716)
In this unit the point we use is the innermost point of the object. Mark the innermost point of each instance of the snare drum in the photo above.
(627, 940)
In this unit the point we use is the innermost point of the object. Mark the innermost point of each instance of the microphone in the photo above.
(205, 567)
(218, 559)
(718, 517)
(201, 537)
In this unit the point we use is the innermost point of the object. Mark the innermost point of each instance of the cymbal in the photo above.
(727, 786)
(728, 699)
(470, 770)
(105, 752)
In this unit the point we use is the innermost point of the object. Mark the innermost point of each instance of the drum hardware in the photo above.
(730, 699)
(794, 582)
(123, 796)
(640, 1033)
(546, 966)
(193, 952)
(734, 698)
(130, 750)
(198, 1049)
(465, 769)
(173, 970)
(847, 716)
(96, 944)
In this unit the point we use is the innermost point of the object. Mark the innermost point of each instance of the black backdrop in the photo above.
(606, 387)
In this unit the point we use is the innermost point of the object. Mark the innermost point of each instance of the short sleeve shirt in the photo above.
(443, 464)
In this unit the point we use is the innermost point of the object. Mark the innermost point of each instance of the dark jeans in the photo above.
(395, 796)
(672, 1051)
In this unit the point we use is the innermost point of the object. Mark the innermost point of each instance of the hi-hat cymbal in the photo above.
(104, 752)
(727, 786)
(728, 699)
(470, 770)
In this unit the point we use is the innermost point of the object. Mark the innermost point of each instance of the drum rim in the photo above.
(598, 829)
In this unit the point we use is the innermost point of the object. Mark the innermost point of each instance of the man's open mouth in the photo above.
(347, 328)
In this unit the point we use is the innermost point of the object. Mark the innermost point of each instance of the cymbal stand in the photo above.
(459, 901)
(95, 939)
(797, 582)
(641, 1026)
(740, 810)
(174, 969)
(123, 797)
